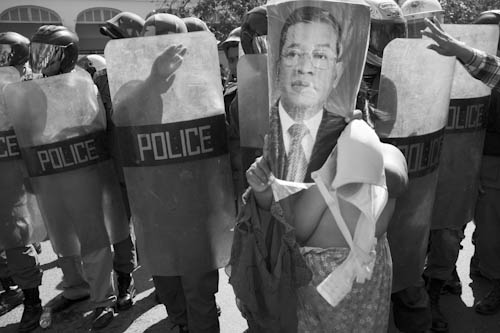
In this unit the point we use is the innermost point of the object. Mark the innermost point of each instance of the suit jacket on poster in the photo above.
(329, 131)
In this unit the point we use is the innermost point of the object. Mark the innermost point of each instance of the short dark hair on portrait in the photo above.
(310, 14)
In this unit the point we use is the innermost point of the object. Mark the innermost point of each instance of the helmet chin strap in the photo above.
(373, 59)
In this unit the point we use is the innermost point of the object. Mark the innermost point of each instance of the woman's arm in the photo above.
(307, 211)
(396, 171)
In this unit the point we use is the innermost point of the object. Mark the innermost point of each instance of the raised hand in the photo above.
(446, 45)
(258, 175)
(167, 63)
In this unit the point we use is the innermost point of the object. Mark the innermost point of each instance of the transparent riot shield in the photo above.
(21, 221)
(414, 93)
(60, 125)
(460, 163)
(169, 117)
(253, 106)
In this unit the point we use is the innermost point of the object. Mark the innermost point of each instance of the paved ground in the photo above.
(148, 316)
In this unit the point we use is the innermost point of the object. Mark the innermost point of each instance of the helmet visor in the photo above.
(5, 55)
(415, 26)
(382, 32)
(43, 56)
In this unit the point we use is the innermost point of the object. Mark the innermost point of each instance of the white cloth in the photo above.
(357, 159)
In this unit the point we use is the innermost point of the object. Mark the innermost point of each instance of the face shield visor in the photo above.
(253, 44)
(45, 56)
(381, 33)
(416, 23)
(5, 55)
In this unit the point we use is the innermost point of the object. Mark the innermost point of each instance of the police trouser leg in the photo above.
(4, 269)
(24, 267)
(487, 219)
(192, 295)
(444, 246)
(74, 284)
(125, 256)
(411, 309)
(169, 290)
(97, 267)
(200, 290)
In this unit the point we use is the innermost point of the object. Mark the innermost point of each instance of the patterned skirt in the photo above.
(364, 309)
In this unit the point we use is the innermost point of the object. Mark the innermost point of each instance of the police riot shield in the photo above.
(20, 218)
(315, 61)
(60, 125)
(415, 100)
(253, 106)
(170, 122)
(460, 163)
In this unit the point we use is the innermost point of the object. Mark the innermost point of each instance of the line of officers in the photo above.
(53, 50)
(90, 275)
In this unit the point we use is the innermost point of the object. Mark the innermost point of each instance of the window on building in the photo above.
(88, 23)
(27, 19)
(30, 14)
(96, 15)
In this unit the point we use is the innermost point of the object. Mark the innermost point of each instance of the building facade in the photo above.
(81, 16)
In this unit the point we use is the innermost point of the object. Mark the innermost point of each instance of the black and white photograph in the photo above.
(250, 166)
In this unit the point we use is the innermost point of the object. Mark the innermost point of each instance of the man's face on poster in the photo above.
(308, 65)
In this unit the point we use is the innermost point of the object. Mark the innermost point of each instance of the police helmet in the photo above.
(488, 17)
(195, 24)
(14, 49)
(52, 43)
(232, 40)
(254, 30)
(163, 24)
(158, 11)
(387, 23)
(415, 11)
(123, 25)
(97, 61)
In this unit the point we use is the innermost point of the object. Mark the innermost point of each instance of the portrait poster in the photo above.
(317, 51)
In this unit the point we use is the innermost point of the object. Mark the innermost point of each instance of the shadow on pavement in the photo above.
(161, 327)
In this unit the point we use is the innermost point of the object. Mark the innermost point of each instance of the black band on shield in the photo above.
(422, 152)
(467, 114)
(9, 148)
(153, 145)
(67, 155)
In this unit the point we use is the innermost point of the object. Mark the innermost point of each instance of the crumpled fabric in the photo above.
(357, 159)
(266, 269)
(364, 310)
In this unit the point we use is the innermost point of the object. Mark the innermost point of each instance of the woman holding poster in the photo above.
(316, 61)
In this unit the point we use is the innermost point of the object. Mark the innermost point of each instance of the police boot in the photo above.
(126, 291)
(490, 304)
(32, 311)
(11, 297)
(439, 322)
